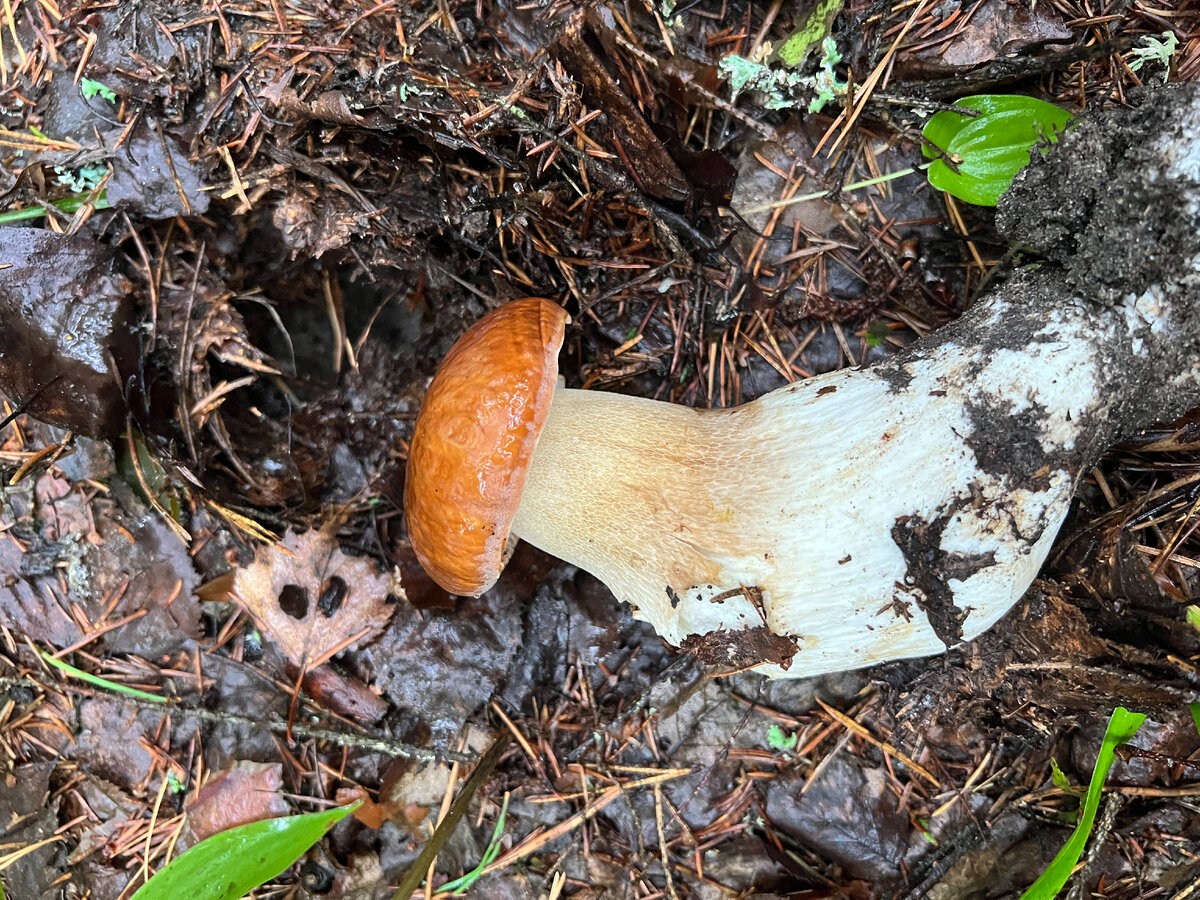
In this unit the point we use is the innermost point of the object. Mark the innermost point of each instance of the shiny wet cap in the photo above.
(474, 439)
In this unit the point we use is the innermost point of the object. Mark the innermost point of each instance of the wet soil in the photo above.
(239, 238)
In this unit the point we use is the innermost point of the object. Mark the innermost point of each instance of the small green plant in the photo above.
(90, 89)
(459, 885)
(1122, 726)
(232, 863)
(780, 740)
(985, 152)
(175, 784)
(1061, 781)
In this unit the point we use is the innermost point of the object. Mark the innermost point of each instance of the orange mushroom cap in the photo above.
(474, 439)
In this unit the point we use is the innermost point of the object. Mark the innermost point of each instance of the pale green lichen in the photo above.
(784, 88)
(1154, 50)
(83, 180)
(827, 85)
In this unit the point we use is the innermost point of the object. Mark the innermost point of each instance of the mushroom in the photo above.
(859, 516)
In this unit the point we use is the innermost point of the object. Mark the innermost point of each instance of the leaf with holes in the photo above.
(309, 598)
(988, 150)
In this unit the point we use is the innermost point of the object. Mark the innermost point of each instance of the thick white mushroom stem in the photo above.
(890, 512)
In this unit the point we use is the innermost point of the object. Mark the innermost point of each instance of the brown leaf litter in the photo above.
(311, 600)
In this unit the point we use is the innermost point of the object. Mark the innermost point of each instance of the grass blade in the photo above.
(116, 687)
(1122, 726)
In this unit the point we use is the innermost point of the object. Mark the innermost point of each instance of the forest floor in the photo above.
(242, 233)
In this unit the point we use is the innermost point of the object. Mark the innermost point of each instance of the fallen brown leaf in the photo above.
(245, 792)
(309, 598)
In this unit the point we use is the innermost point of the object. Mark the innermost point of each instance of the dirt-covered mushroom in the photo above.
(883, 512)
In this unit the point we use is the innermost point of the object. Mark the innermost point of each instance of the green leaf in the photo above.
(1060, 780)
(232, 863)
(991, 148)
(90, 89)
(1194, 709)
(1122, 726)
(778, 739)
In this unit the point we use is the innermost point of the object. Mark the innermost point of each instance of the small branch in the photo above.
(383, 745)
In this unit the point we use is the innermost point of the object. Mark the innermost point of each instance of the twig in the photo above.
(416, 872)
(341, 739)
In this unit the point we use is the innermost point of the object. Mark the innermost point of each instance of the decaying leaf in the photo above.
(314, 222)
(995, 28)
(245, 792)
(309, 598)
(66, 338)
